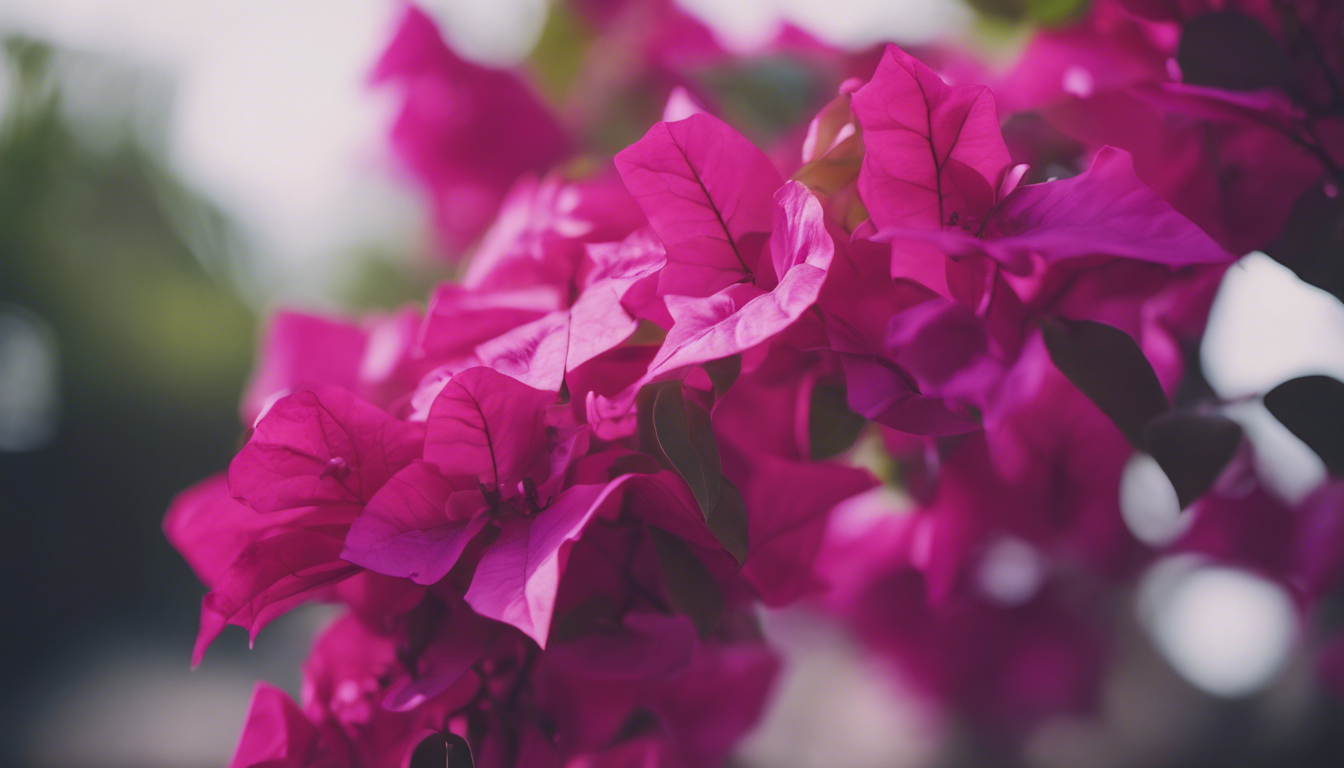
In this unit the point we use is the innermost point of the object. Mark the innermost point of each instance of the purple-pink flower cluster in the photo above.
(553, 500)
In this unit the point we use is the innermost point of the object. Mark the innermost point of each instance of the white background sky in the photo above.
(273, 117)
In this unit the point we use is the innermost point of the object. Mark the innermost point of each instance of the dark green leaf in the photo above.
(588, 616)
(648, 436)
(728, 521)
(634, 463)
(763, 95)
(1228, 50)
(687, 440)
(1108, 366)
(1312, 407)
(722, 373)
(442, 750)
(459, 752)
(832, 427)
(1312, 241)
(1040, 11)
(1034, 140)
(1192, 450)
(690, 586)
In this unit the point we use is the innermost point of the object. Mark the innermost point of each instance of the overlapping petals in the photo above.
(554, 499)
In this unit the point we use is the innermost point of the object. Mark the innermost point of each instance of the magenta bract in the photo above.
(555, 500)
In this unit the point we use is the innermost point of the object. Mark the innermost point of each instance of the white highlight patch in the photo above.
(1148, 503)
(1267, 326)
(29, 380)
(1011, 572)
(1224, 630)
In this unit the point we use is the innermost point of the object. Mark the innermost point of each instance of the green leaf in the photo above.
(1039, 11)
(1312, 239)
(728, 521)
(557, 59)
(1312, 407)
(442, 750)
(1192, 450)
(763, 95)
(1108, 366)
(832, 427)
(689, 584)
(686, 438)
(722, 373)
(648, 436)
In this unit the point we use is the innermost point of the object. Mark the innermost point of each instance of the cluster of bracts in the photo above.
(553, 501)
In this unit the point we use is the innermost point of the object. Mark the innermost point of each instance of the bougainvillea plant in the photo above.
(553, 500)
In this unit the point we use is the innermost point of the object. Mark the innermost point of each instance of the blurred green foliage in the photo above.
(1048, 12)
(138, 279)
(108, 247)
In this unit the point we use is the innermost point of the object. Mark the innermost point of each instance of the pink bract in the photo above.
(467, 131)
(673, 387)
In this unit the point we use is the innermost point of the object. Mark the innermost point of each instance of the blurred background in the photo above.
(170, 171)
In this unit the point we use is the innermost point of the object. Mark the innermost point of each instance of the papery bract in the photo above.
(1237, 181)
(301, 351)
(934, 156)
(707, 192)
(744, 315)
(1105, 211)
(324, 449)
(497, 454)
(209, 527)
(270, 577)
(540, 353)
(555, 500)
(467, 131)
(277, 733)
(312, 463)
(519, 574)
(416, 526)
(1233, 161)
(458, 318)
(543, 227)
(489, 426)
(787, 503)
(858, 302)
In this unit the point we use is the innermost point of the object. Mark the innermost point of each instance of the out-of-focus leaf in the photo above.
(832, 427)
(648, 436)
(1108, 366)
(1047, 151)
(728, 521)
(686, 438)
(442, 750)
(1313, 240)
(1192, 450)
(690, 586)
(765, 95)
(1039, 11)
(722, 373)
(1228, 50)
(1312, 407)
(558, 56)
